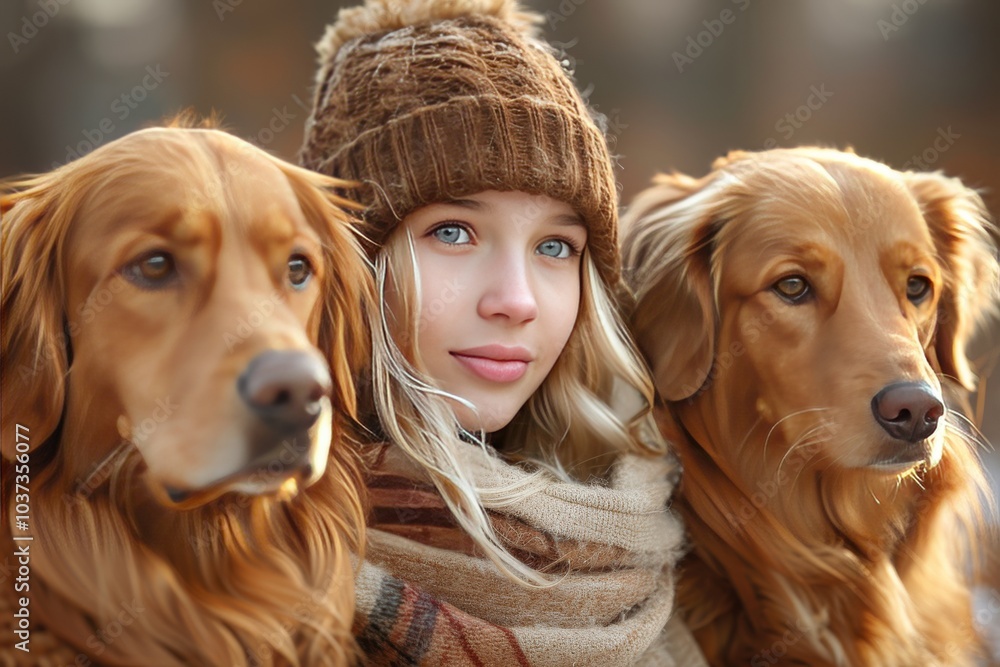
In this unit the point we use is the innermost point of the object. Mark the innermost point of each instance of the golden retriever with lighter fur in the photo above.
(182, 318)
(805, 313)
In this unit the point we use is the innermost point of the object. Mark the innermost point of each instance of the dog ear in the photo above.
(34, 363)
(961, 229)
(348, 286)
(666, 254)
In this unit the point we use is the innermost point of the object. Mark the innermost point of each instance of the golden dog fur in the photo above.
(774, 299)
(138, 284)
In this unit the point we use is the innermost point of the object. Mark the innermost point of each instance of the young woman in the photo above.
(501, 371)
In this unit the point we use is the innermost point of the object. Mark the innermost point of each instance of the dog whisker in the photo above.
(101, 471)
(974, 436)
(874, 497)
(110, 530)
(804, 440)
(749, 432)
(948, 377)
(767, 438)
(852, 537)
(807, 440)
(802, 444)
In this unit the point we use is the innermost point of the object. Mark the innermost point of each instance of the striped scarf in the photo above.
(427, 596)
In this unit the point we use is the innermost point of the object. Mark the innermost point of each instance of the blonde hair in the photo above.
(576, 421)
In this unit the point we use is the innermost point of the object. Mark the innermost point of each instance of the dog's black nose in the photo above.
(908, 410)
(284, 388)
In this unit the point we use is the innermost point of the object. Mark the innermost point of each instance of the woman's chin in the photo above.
(490, 421)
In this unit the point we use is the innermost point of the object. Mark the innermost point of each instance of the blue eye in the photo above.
(299, 272)
(555, 248)
(452, 234)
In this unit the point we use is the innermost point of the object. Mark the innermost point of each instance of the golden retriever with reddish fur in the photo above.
(182, 318)
(805, 313)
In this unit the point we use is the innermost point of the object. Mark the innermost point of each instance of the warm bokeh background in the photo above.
(681, 82)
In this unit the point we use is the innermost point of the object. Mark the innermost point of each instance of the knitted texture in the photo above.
(427, 596)
(433, 100)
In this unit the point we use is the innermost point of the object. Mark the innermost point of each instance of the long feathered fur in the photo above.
(796, 559)
(242, 580)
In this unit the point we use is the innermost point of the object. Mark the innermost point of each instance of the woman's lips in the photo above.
(495, 363)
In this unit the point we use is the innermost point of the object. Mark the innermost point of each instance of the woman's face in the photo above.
(499, 295)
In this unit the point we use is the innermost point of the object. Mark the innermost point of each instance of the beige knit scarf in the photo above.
(426, 596)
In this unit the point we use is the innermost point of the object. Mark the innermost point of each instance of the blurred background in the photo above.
(909, 82)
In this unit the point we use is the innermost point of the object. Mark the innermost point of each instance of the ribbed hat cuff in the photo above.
(472, 144)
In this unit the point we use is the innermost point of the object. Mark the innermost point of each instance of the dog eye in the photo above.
(917, 288)
(299, 272)
(152, 271)
(792, 289)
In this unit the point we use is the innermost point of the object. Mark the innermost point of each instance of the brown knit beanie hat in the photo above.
(424, 101)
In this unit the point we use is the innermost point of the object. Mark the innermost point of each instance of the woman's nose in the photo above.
(508, 291)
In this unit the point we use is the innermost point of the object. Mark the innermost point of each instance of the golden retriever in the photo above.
(182, 317)
(805, 313)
